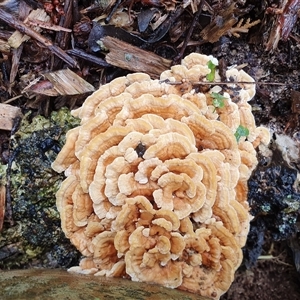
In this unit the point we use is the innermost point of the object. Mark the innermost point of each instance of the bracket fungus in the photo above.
(156, 186)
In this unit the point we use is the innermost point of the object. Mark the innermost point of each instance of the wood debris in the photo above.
(2, 204)
(2, 199)
(223, 24)
(285, 19)
(4, 47)
(20, 26)
(62, 82)
(8, 114)
(294, 119)
(132, 58)
(47, 25)
(17, 38)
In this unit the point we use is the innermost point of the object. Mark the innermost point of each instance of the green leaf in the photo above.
(241, 131)
(218, 100)
(211, 76)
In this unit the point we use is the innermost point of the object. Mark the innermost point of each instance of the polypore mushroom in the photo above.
(156, 185)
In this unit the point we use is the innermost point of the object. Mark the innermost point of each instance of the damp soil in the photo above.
(269, 268)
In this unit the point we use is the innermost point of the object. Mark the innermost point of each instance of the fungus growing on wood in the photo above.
(156, 186)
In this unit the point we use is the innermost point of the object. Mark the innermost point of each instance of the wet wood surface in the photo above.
(44, 284)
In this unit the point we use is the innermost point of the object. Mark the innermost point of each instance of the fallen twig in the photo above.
(88, 57)
(224, 83)
(12, 99)
(13, 22)
(48, 25)
(189, 34)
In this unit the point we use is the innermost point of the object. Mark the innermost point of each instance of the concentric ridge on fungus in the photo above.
(156, 186)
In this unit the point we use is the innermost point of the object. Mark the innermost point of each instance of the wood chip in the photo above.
(132, 58)
(7, 115)
(66, 82)
(4, 47)
(17, 38)
(59, 83)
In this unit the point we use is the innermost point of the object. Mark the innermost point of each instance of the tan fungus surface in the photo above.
(156, 186)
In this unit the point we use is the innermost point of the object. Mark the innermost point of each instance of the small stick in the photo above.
(223, 83)
(12, 99)
(116, 5)
(13, 22)
(191, 29)
(47, 25)
(89, 57)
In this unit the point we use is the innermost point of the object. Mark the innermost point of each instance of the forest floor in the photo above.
(262, 37)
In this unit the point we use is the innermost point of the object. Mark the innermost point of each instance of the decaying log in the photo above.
(35, 283)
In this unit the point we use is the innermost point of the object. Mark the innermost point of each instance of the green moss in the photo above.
(3, 169)
(32, 186)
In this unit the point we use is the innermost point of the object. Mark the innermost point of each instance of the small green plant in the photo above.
(211, 76)
(241, 131)
(218, 100)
